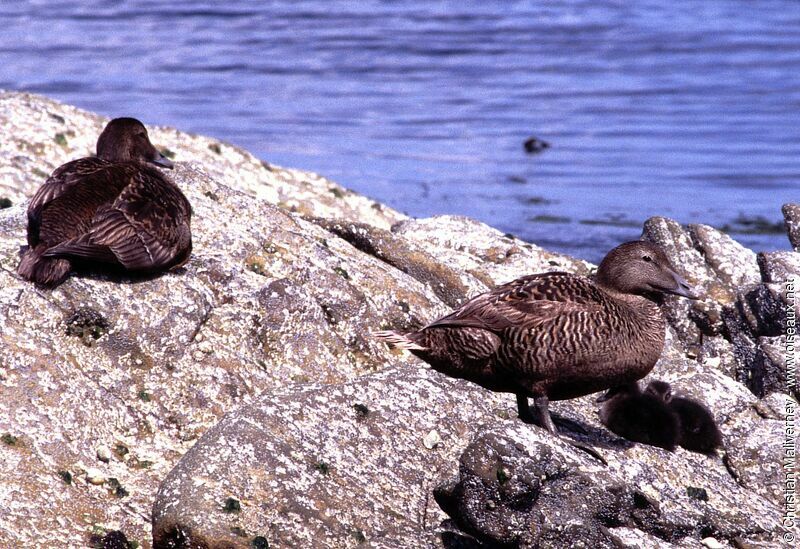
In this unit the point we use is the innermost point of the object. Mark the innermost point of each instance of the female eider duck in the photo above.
(556, 336)
(110, 209)
(640, 417)
(699, 431)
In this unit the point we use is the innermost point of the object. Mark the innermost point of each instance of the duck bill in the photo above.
(163, 161)
(682, 288)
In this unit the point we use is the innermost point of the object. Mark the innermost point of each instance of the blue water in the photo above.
(687, 109)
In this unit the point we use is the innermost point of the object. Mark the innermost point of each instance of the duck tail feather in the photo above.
(46, 271)
(398, 340)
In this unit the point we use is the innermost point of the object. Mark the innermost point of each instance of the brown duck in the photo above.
(556, 336)
(112, 209)
(699, 431)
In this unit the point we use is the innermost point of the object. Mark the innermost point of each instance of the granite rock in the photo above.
(247, 381)
(791, 217)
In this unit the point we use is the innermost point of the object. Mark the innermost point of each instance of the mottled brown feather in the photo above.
(112, 208)
(142, 229)
(557, 335)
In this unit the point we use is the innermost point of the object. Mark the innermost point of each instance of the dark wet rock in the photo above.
(518, 496)
(779, 266)
(756, 327)
(764, 309)
(114, 539)
(759, 364)
(791, 218)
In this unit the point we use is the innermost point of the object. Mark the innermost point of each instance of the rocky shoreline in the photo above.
(240, 401)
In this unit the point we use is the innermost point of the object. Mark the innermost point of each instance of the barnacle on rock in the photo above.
(322, 467)
(232, 505)
(9, 439)
(88, 324)
(116, 488)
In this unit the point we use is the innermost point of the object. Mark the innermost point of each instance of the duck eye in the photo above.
(647, 258)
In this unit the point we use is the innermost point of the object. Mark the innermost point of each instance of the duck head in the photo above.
(642, 268)
(659, 389)
(126, 140)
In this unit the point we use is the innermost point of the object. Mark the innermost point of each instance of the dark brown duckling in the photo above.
(111, 209)
(699, 431)
(639, 417)
(555, 336)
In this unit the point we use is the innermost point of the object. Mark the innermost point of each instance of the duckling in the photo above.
(639, 417)
(556, 336)
(699, 431)
(112, 209)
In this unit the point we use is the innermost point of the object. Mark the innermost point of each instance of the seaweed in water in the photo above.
(753, 225)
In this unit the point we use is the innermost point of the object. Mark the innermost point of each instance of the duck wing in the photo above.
(89, 175)
(527, 302)
(146, 228)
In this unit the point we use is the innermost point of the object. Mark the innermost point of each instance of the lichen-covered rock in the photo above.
(791, 216)
(451, 285)
(142, 366)
(741, 320)
(149, 364)
(106, 381)
(732, 264)
(692, 318)
(294, 455)
(779, 266)
(759, 466)
(337, 463)
(484, 252)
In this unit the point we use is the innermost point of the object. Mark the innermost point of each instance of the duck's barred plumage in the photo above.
(554, 333)
(554, 336)
(123, 213)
